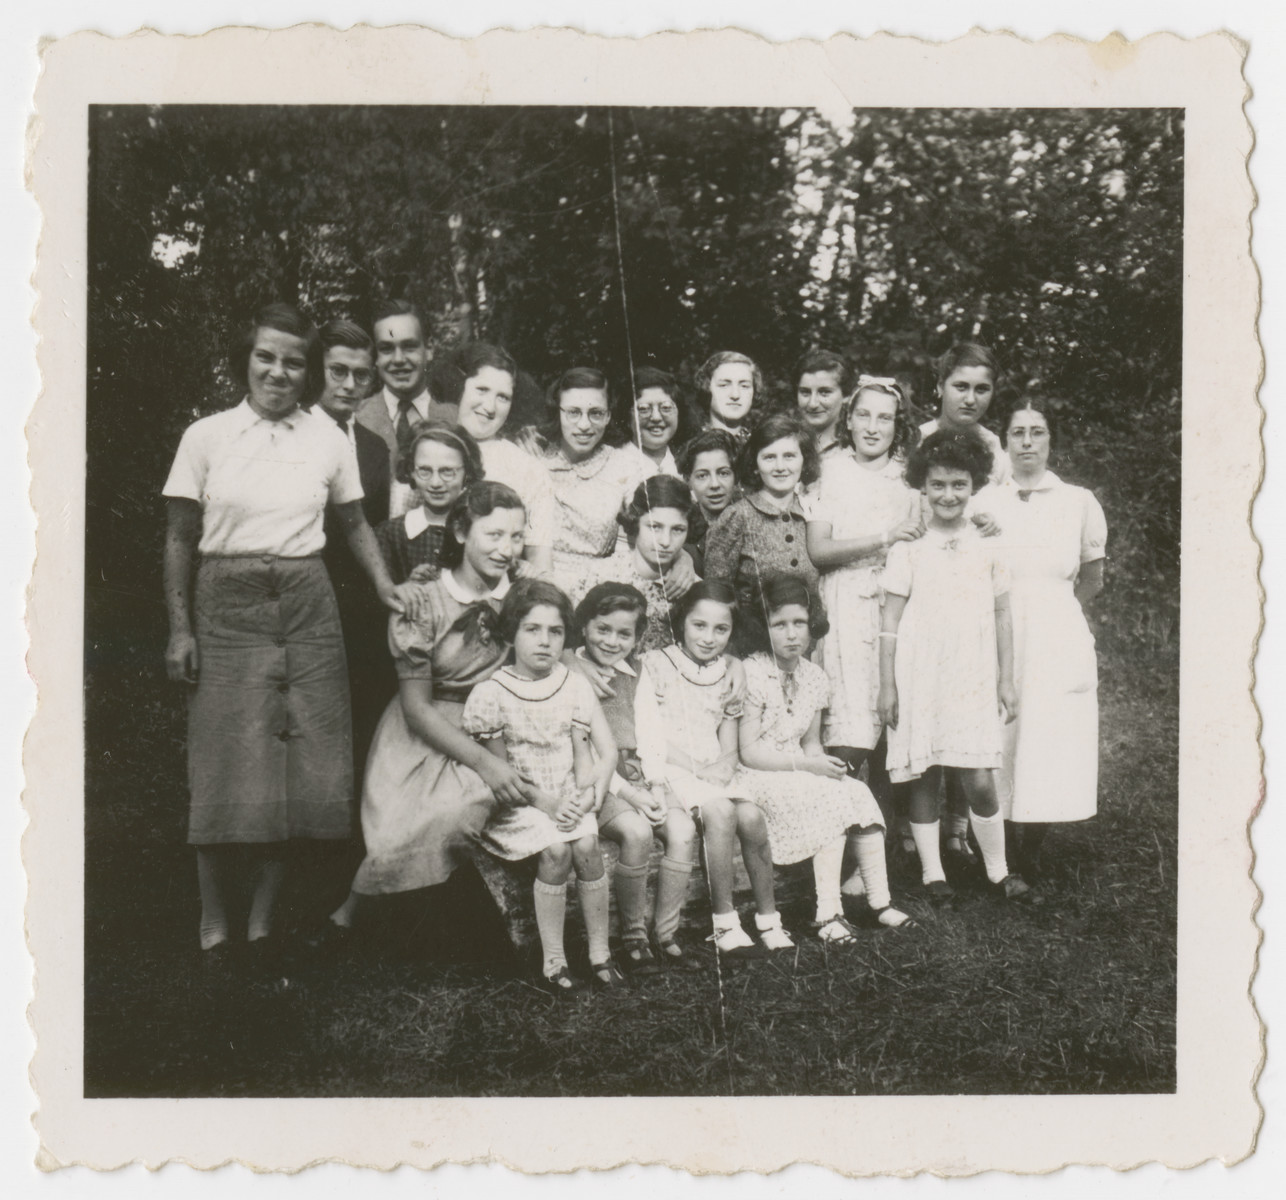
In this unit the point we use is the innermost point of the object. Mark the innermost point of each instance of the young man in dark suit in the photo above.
(402, 357)
(348, 362)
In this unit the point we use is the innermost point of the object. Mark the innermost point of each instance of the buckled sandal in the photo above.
(835, 931)
(606, 975)
(561, 983)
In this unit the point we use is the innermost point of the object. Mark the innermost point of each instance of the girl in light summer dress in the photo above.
(946, 659)
(807, 795)
(543, 720)
(686, 709)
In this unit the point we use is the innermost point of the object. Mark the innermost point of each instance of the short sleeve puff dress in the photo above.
(945, 664)
(536, 718)
(422, 811)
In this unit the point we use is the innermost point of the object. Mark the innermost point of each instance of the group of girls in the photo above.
(698, 624)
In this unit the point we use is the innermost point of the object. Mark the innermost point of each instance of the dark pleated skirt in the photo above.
(269, 728)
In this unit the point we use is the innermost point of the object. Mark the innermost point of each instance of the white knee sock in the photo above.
(671, 891)
(926, 844)
(550, 901)
(827, 863)
(990, 832)
(869, 848)
(631, 900)
(593, 907)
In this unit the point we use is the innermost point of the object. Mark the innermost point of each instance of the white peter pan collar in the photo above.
(451, 585)
(416, 521)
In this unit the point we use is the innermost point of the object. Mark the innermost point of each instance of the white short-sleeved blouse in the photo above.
(263, 485)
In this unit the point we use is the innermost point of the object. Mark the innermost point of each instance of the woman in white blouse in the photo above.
(1054, 536)
(257, 639)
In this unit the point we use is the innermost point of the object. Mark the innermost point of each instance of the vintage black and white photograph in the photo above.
(632, 601)
(594, 599)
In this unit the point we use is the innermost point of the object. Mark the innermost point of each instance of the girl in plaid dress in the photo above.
(543, 719)
(439, 462)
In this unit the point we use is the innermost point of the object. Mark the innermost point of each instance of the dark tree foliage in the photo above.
(1054, 235)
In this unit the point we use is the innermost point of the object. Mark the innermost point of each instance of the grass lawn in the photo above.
(1074, 995)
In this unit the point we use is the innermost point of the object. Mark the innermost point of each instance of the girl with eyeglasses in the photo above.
(593, 473)
(439, 462)
(661, 420)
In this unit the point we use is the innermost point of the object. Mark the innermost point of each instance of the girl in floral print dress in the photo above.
(807, 796)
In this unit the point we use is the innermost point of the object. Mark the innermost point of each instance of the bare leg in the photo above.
(720, 822)
(633, 834)
(752, 831)
(679, 835)
(346, 913)
(268, 880)
(212, 870)
(588, 861)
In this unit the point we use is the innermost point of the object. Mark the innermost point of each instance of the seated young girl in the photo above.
(544, 720)
(686, 707)
(807, 795)
(609, 624)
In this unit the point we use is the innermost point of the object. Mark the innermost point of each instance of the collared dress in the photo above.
(1050, 766)
(752, 540)
(588, 495)
(421, 810)
(855, 502)
(945, 664)
(682, 703)
(667, 465)
(805, 811)
(536, 718)
(409, 541)
(269, 729)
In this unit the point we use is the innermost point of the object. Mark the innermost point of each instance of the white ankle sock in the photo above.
(958, 826)
(926, 837)
(990, 832)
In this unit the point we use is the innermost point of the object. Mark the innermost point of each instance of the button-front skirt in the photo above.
(269, 728)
